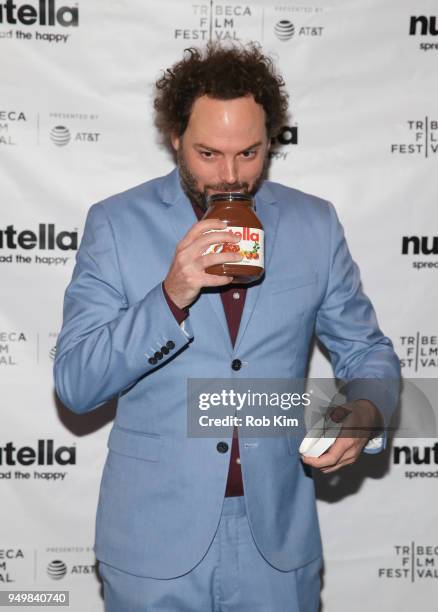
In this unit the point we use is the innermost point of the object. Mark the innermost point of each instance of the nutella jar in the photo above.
(237, 209)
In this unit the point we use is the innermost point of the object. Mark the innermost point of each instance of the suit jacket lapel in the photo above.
(268, 214)
(181, 218)
(179, 209)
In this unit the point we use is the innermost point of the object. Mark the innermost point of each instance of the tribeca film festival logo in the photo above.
(14, 560)
(11, 345)
(16, 350)
(11, 124)
(424, 26)
(16, 243)
(18, 462)
(418, 352)
(46, 14)
(7, 557)
(417, 246)
(412, 562)
(14, 128)
(218, 22)
(422, 138)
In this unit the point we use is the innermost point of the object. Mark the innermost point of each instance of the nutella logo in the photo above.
(428, 25)
(47, 238)
(247, 234)
(47, 14)
(44, 454)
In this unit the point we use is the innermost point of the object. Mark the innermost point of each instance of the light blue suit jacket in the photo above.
(161, 491)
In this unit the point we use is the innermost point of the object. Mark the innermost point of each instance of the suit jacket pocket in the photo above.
(136, 444)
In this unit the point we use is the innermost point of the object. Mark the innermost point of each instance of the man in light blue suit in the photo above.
(142, 316)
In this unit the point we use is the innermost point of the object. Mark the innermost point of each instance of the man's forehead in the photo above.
(240, 121)
(226, 111)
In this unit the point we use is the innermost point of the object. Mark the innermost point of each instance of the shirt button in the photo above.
(222, 447)
(236, 364)
(236, 295)
(152, 360)
(170, 344)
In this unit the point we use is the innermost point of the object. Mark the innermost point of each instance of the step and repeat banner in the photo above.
(76, 125)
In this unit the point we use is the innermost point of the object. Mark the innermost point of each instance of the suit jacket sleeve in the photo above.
(106, 344)
(347, 325)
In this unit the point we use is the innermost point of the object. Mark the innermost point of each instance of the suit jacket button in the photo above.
(158, 355)
(164, 350)
(170, 344)
(236, 364)
(152, 360)
(222, 447)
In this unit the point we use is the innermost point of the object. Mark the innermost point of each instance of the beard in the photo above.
(198, 197)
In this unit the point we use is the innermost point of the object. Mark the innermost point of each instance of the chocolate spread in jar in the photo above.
(237, 209)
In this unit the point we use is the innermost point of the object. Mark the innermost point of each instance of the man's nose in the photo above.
(228, 171)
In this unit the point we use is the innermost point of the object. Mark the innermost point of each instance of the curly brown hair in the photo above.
(223, 73)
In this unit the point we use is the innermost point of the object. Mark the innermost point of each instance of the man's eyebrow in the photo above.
(199, 145)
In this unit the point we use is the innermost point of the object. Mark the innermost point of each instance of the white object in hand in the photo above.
(320, 438)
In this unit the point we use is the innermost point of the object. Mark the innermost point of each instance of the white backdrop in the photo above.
(76, 125)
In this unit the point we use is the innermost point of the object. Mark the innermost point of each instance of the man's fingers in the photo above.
(202, 243)
(342, 445)
(214, 280)
(192, 255)
(346, 453)
(200, 228)
(348, 459)
(339, 465)
(339, 413)
(214, 259)
(332, 456)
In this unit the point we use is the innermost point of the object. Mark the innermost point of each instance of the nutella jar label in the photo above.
(250, 245)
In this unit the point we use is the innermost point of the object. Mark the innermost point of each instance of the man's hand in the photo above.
(359, 420)
(187, 274)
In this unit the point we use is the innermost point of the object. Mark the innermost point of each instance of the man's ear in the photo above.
(175, 141)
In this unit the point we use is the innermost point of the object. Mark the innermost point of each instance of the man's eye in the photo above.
(249, 154)
(207, 154)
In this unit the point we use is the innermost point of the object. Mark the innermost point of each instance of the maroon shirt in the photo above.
(233, 300)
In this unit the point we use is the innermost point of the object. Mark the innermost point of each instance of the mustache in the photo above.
(227, 187)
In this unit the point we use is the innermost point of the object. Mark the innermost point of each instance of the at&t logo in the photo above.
(60, 135)
(57, 569)
(284, 30)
